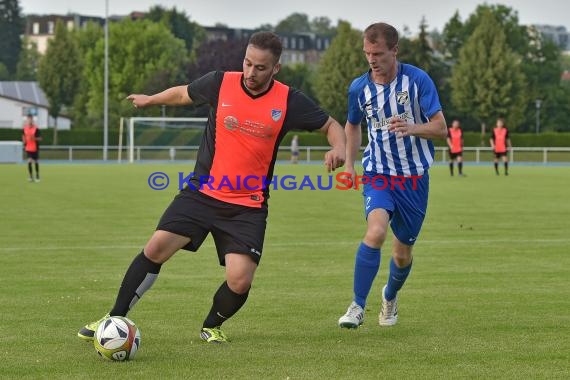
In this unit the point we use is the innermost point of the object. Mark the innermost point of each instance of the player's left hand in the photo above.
(401, 127)
(334, 158)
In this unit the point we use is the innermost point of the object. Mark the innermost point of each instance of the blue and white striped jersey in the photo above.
(412, 96)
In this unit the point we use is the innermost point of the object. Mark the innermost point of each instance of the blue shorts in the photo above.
(405, 199)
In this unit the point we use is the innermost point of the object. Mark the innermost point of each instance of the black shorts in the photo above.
(33, 155)
(500, 154)
(453, 156)
(235, 228)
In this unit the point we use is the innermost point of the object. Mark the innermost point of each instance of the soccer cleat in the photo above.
(213, 335)
(353, 318)
(389, 312)
(87, 332)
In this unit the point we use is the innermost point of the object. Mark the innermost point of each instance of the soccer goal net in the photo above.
(160, 138)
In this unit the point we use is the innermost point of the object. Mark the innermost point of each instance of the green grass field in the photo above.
(488, 297)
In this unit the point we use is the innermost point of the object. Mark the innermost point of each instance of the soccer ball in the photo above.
(117, 338)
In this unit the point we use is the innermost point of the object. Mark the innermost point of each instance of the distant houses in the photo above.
(19, 99)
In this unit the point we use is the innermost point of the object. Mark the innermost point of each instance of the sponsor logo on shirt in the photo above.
(249, 127)
(385, 122)
(402, 97)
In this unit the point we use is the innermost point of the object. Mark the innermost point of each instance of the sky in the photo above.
(360, 13)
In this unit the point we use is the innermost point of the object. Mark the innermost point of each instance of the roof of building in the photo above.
(27, 92)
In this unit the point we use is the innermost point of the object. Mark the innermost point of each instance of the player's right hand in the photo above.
(351, 174)
(139, 100)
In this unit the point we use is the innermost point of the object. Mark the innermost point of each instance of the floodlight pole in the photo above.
(106, 90)
(538, 103)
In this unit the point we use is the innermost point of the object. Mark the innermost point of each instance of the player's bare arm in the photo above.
(173, 96)
(335, 157)
(436, 128)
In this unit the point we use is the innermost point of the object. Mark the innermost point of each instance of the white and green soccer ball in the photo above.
(117, 338)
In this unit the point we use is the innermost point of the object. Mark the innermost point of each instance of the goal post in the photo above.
(135, 126)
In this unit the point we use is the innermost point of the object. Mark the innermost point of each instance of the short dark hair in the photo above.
(267, 41)
(382, 30)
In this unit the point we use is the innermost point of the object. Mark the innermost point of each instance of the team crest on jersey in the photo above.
(402, 97)
(276, 114)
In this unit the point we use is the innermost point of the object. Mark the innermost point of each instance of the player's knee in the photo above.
(156, 252)
(239, 285)
(376, 234)
(402, 258)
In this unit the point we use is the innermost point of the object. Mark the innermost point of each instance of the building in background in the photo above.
(303, 48)
(18, 99)
(297, 47)
(557, 34)
(39, 29)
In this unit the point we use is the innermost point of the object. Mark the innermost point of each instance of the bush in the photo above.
(186, 137)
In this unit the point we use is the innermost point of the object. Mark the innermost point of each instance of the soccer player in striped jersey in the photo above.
(403, 113)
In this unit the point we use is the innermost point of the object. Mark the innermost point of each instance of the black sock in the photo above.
(459, 167)
(451, 168)
(37, 170)
(497, 167)
(139, 278)
(226, 303)
(30, 169)
(506, 168)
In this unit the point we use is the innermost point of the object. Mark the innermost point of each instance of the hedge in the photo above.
(193, 137)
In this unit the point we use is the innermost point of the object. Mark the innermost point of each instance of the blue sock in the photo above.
(396, 279)
(365, 270)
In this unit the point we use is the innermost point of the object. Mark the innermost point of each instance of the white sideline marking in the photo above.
(296, 244)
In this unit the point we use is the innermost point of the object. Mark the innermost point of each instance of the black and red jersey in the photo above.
(239, 146)
(500, 137)
(455, 136)
(30, 135)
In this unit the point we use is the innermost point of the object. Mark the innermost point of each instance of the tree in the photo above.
(487, 81)
(266, 27)
(11, 27)
(555, 111)
(87, 39)
(453, 36)
(294, 23)
(417, 52)
(4, 74)
(565, 62)
(179, 24)
(507, 19)
(138, 52)
(27, 67)
(59, 72)
(214, 55)
(222, 55)
(341, 63)
(299, 76)
(322, 26)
